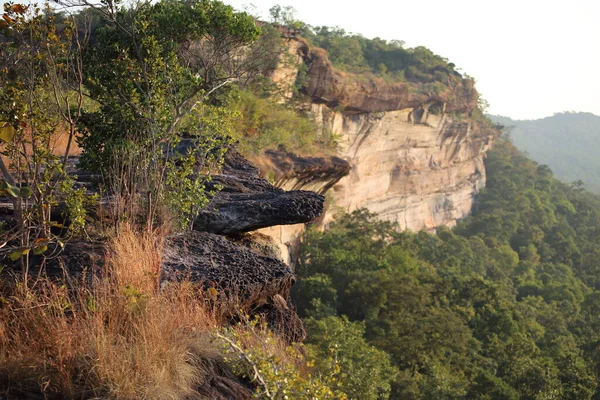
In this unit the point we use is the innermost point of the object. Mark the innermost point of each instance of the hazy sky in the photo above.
(530, 58)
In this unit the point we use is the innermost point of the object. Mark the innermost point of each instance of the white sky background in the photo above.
(530, 58)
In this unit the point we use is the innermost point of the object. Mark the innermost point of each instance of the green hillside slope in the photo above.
(567, 142)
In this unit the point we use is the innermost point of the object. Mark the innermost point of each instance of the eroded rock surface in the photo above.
(247, 202)
(218, 262)
(247, 279)
(293, 172)
(418, 174)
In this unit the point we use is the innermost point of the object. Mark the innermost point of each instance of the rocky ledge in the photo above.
(247, 202)
(294, 172)
(218, 253)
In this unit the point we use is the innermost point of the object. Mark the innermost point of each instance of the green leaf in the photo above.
(15, 255)
(26, 192)
(7, 132)
(40, 250)
(12, 190)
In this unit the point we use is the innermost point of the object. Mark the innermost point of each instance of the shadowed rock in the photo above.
(217, 262)
(317, 173)
(248, 202)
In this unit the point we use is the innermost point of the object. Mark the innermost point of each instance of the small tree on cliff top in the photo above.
(41, 96)
(152, 69)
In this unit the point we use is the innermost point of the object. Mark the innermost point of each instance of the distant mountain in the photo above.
(569, 143)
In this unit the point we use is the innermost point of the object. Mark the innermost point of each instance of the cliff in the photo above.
(414, 155)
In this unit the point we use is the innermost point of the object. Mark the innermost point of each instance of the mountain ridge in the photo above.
(564, 141)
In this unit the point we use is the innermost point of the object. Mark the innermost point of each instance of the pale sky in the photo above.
(530, 58)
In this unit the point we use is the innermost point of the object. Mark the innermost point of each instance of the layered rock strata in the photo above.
(418, 174)
(415, 156)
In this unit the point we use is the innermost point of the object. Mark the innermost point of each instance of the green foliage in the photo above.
(266, 124)
(366, 371)
(188, 173)
(155, 68)
(40, 97)
(284, 16)
(504, 306)
(389, 59)
(276, 370)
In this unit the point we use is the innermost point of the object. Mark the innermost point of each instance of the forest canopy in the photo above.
(504, 306)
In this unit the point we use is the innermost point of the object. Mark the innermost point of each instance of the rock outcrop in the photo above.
(223, 264)
(418, 174)
(415, 155)
(247, 202)
(358, 94)
(246, 270)
(293, 172)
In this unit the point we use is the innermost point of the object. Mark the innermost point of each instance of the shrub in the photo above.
(279, 371)
(367, 371)
(266, 124)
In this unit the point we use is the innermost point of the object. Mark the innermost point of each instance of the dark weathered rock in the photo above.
(76, 261)
(217, 262)
(247, 212)
(257, 242)
(282, 319)
(247, 202)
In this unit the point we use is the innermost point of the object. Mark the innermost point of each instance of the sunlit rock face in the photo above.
(414, 156)
(418, 173)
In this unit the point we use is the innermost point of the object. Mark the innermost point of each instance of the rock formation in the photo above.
(415, 156)
(419, 175)
(245, 269)
(246, 202)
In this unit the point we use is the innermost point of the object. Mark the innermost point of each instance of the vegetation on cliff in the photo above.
(504, 306)
(390, 59)
(356, 53)
(123, 335)
(117, 329)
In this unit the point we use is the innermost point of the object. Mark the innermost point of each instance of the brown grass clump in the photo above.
(120, 337)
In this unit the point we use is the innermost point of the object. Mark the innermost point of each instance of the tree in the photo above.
(41, 97)
(367, 371)
(155, 68)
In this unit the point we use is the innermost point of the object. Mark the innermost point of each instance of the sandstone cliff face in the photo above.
(415, 157)
(419, 175)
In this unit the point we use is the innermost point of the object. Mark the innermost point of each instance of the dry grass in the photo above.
(121, 338)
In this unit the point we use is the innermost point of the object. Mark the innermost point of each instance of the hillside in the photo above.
(144, 256)
(504, 306)
(566, 142)
(415, 142)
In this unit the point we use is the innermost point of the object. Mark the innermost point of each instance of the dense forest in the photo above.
(504, 306)
(566, 142)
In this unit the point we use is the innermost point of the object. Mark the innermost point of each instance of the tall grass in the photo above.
(119, 337)
(123, 336)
